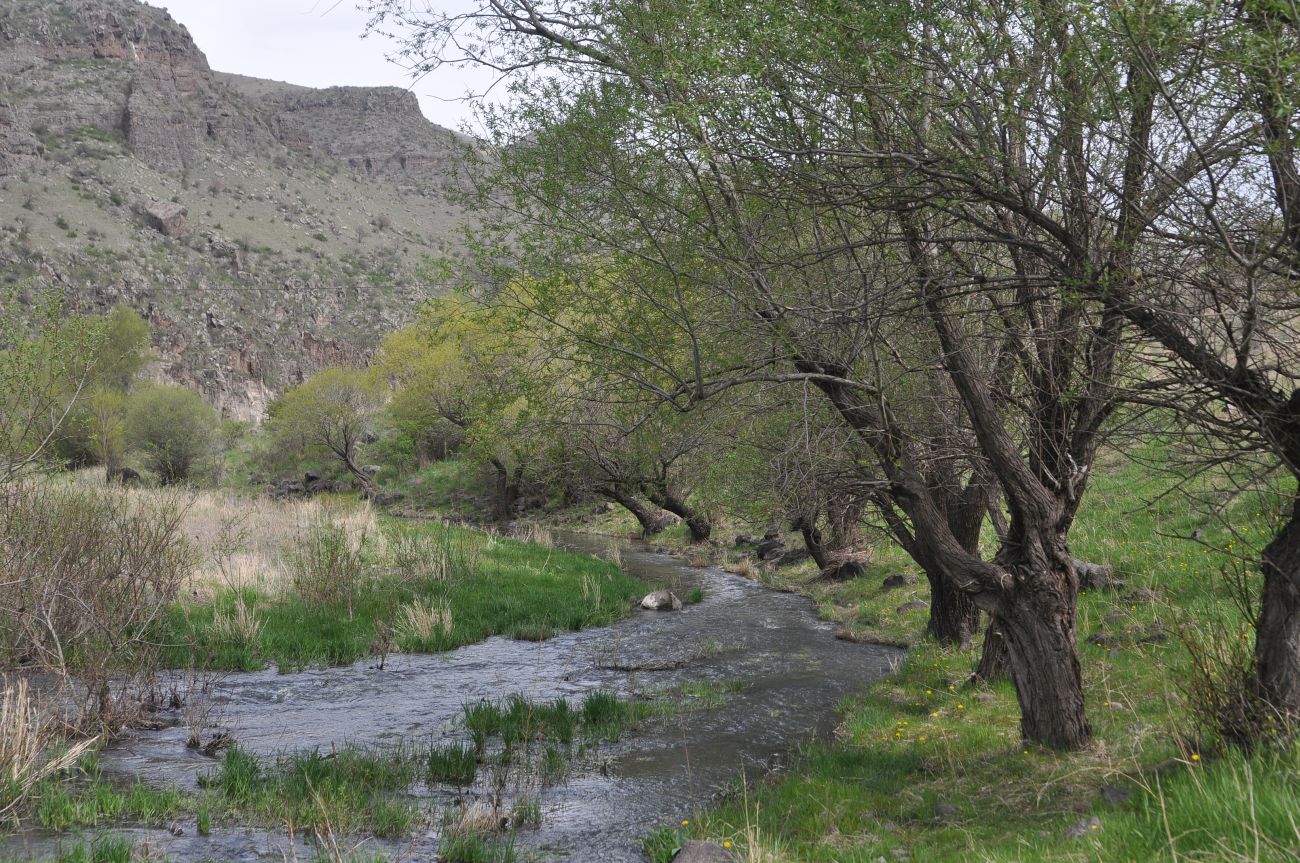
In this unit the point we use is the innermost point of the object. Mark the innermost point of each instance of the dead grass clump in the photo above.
(532, 532)
(418, 622)
(418, 557)
(26, 736)
(744, 567)
(476, 819)
(240, 626)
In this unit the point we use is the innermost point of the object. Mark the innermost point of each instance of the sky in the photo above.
(308, 42)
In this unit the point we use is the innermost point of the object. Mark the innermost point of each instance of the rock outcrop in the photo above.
(295, 223)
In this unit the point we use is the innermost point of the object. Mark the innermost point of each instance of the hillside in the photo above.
(264, 229)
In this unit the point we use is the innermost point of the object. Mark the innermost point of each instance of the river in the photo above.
(780, 672)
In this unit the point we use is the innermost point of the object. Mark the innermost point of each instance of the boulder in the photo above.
(1141, 595)
(1084, 827)
(770, 549)
(792, 557)
(661, 600)
(1093, 576)
(914, 605)
(745, 539)
(124, 475)
(167, 218)
(694, 851)
(899, 580)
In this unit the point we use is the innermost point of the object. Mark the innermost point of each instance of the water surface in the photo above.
(783, 669)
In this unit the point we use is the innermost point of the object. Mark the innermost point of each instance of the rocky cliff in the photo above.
(265, 229)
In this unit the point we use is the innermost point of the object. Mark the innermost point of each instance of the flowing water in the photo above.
(779, 669)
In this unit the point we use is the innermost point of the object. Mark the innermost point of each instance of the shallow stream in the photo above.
(778, 668)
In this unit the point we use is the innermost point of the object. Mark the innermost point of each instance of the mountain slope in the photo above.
(264, 229)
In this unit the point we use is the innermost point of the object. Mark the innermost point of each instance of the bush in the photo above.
(175, 428)
(327, 565)
(88, 573)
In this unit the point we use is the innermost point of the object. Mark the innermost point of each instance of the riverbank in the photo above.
(927, 766)
(395, 764)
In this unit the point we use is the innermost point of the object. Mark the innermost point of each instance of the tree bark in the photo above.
(1042, 657)
(697, 522)
(507, 490)
(652, 521)
(367, 482)
(993, 664)
(813, 540)
(954, 616)
(1277, 629)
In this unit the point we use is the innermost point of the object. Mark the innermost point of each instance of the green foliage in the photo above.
(46, 360)
(61, 806)
(342, 792)
(176, 430)
(601, 716)
(124, 351)
(461, 371)
(455, 763)
(328, 416)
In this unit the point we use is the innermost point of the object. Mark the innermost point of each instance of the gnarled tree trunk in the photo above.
(651, 519)
(1042, 656)
(508, 487)
(993, 656)
(697, 522)
(813, 540)
(1277, 629)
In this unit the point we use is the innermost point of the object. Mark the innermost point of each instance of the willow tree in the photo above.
(462, 362)
(859, 199)
(331, 414)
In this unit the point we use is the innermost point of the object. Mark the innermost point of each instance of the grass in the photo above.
(928, 767)
(62, 806)
(485, 586)
(104, 849)
(599, 716)
(453, 763)
(475, 849)
(345, 792)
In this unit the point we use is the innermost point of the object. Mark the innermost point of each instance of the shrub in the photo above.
(175, 428)
(327, 565)
(88, 574)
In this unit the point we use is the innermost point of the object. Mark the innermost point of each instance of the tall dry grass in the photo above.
(244, 540)
(26, 737)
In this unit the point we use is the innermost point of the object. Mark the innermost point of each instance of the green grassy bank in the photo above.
(929, 767)
(429, 587)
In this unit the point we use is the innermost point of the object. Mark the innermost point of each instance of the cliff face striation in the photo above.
(265, 229)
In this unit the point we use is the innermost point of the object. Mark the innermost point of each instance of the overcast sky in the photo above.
(307, 42)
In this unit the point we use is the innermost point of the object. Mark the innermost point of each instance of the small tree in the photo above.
(175, 427)
(331, 414)
(104, 425)
(119, 354)
(46, 360)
